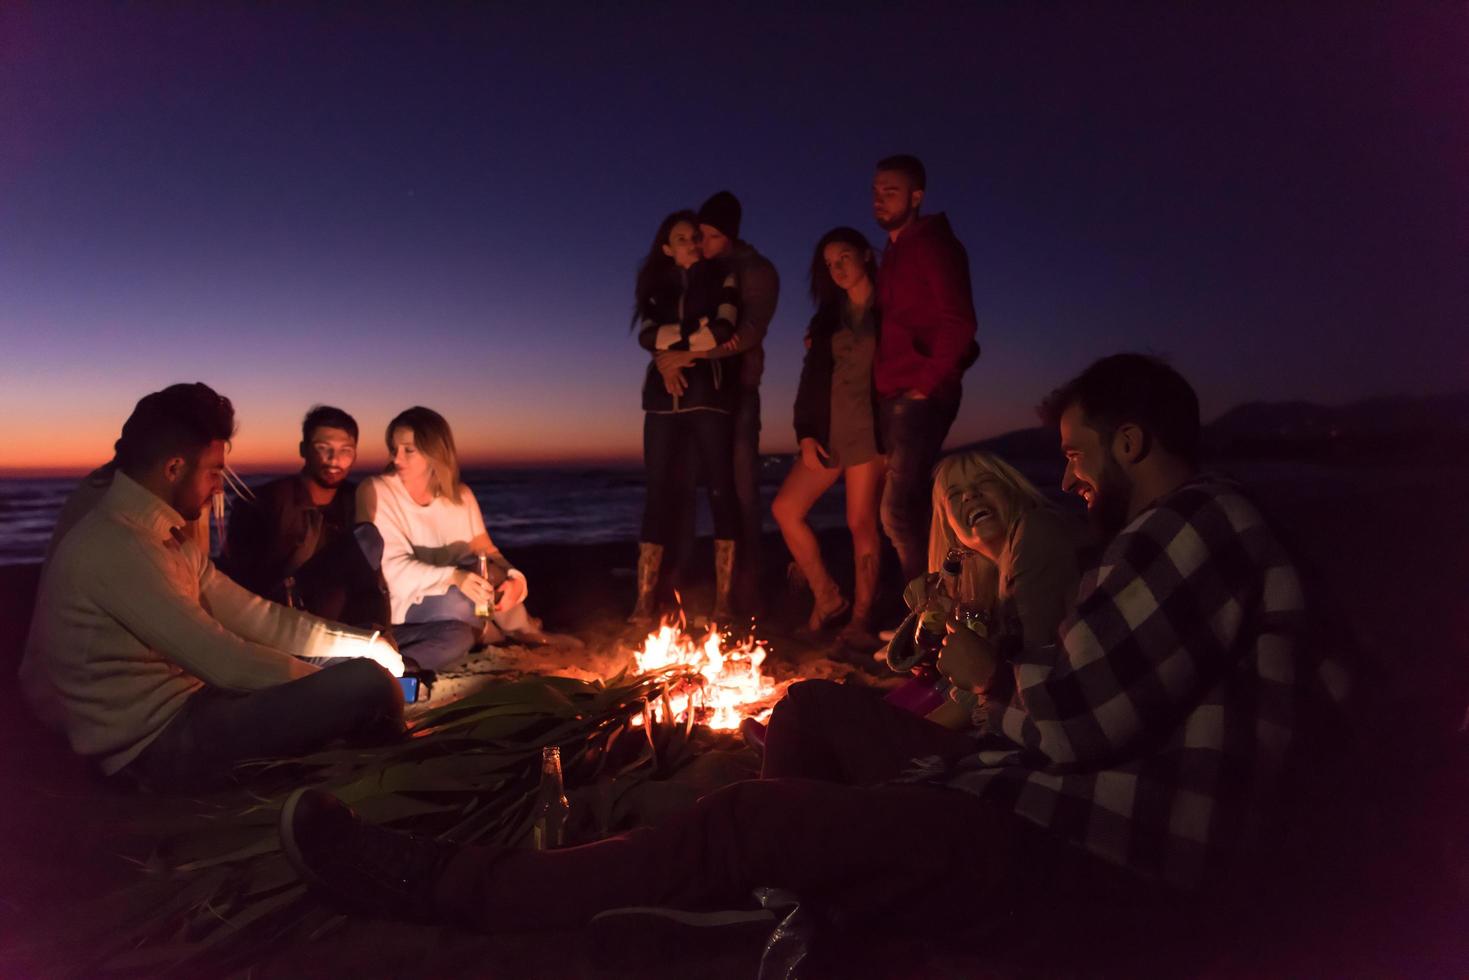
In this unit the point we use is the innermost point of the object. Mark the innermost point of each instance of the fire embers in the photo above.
(721, 683)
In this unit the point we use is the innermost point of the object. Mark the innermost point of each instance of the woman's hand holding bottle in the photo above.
(475, 586)
(967, 659)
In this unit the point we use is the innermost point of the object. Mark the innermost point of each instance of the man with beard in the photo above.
(1116, 465)
(925, 345)
(160, 667)
(293, 543)
(1140, 750)
(298, 542)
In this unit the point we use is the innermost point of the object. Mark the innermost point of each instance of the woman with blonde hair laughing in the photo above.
(1022, 574)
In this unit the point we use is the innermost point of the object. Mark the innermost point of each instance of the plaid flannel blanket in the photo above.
(1151, 731)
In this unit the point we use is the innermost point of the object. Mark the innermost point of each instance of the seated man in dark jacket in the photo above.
(293, 543)
(297, 543)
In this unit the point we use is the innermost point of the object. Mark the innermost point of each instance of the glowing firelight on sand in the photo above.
(723, 686)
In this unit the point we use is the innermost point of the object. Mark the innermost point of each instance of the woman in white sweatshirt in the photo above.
(433, 535)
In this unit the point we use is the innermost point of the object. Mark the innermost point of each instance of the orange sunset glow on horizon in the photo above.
(68, 425)
(81, 437)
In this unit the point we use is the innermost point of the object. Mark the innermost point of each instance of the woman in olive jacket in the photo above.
(835, 417)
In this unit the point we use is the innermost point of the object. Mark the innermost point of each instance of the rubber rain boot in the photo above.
(650, 562)
(724, 559)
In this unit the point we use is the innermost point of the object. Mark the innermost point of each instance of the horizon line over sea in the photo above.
(522, 505)
(364, 466)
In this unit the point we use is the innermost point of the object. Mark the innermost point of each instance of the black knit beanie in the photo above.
(723, 212)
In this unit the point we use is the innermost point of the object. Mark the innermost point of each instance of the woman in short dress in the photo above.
(837, 431)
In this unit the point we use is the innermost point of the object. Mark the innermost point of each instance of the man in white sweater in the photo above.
(160, 666)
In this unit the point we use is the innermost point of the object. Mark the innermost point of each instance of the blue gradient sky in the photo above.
(386, 208)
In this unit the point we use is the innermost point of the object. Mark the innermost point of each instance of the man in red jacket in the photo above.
(926, 342)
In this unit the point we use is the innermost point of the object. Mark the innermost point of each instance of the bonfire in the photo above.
(715, 681)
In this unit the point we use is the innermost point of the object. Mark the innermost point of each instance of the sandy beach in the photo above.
(1392, 544)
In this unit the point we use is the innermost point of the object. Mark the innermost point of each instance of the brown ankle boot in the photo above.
(858, 633)
(650, 561)
(827, 607)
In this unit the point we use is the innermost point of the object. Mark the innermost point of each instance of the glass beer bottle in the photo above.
(548, 830)
(927, 688)
(482, 606)
(939, 607)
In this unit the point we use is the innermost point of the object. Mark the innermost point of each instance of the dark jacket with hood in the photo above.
(759, 292)
(707, 291)
(928, 321)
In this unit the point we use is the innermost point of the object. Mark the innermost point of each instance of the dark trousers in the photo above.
(913, 433)
(671, 443)
(843, 733)
(745, 466)
(436, 645)
(856, 851)
(433, 642)
(883, 853)
(752, 508)
(355, 699)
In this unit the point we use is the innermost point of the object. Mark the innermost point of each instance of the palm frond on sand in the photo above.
(214, 887)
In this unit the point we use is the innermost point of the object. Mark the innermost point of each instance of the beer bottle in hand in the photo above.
(938, 606)
(482, 606)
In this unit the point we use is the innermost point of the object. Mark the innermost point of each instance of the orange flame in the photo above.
(722, 684)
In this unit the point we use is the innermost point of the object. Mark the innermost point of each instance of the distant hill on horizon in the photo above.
(1387, 427)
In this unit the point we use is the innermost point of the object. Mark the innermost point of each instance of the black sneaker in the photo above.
(367, 868)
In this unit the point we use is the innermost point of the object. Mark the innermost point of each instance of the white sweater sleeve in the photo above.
(134, 590)
(408, 578)
(273, 625)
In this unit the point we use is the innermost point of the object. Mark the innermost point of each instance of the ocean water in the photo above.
(522, 506)
(603, 504)
(28, 510)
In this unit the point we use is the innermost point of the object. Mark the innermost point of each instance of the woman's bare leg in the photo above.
(864, 494)
(803, 486)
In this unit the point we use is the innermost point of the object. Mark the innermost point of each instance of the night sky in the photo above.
(447, 207)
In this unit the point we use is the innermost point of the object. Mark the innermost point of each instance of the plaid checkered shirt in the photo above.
(1151, 731)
